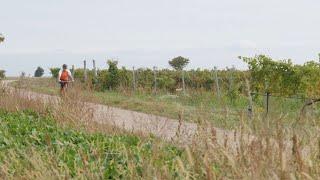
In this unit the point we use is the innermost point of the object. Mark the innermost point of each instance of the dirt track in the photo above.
(138, 122)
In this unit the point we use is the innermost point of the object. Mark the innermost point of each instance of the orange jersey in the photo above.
(64, 76)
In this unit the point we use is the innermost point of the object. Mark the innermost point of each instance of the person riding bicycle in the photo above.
(64, 78)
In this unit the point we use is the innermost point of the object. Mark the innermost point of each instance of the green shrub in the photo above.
(39, 72)
(54, 72)
(283, 77)
(113, 79)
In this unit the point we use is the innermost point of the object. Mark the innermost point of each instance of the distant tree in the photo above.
(39, 72)
(2, 74)
(113, 79)
(179, 63)
(54, 72)
(22, 75)
(1, 38)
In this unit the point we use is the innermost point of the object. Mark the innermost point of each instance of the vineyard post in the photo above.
(231, 79)
(85, 70)
(194, 75)
(155, 79)
(217, 81)
(94, 68)
(266, 89)
(133, 79)
(183, 83)
(72, 71)
(267, 108)
(250, 107)
(267, 102)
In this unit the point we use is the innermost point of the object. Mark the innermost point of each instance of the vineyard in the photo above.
(277, 77)
(268, 86)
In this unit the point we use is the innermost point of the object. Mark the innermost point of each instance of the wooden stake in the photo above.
(94, 68)
(183, 83)
(133, 79)
(85, 70)
(155, 79)
(72, 71)
(217, 81)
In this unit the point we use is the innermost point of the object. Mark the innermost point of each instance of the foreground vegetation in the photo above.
(33, 146)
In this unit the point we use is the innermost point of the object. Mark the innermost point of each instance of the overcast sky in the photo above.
(147, 33)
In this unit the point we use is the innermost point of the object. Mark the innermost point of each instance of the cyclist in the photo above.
(64, 78)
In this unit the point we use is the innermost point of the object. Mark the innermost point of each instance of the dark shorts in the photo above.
(63, 84)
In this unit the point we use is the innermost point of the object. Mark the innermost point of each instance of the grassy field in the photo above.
(39, 141)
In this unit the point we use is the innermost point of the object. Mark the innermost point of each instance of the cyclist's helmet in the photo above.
(64, 66)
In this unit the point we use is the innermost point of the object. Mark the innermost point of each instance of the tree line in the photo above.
(264, 75)
(151, 80)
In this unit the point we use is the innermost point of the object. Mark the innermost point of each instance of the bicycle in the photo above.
(64, 87)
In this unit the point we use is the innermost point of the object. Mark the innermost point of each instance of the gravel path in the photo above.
(162, 127)
(135, 121)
